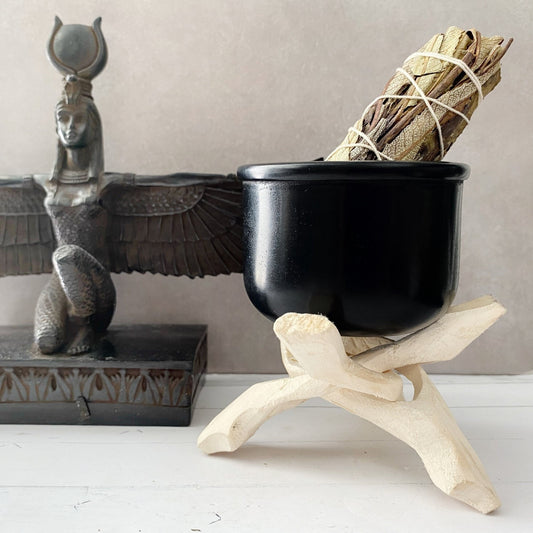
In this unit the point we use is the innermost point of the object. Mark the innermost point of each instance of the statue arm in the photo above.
(25, 181)
(180, 179)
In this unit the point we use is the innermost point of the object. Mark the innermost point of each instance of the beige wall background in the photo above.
(208, 85)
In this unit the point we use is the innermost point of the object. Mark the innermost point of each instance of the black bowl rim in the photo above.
(355, 170)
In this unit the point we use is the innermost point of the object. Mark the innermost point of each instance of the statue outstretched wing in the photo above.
(177, 225)
(26, 236)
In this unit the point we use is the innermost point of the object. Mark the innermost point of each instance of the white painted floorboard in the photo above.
(312, 469)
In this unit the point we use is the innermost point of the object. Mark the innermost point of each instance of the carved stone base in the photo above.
(138, 375)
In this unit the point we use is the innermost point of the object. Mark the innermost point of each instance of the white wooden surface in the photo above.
(139, 479)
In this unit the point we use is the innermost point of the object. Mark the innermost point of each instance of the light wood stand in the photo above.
(320, 363)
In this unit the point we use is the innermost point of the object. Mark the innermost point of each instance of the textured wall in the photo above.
(207, 85)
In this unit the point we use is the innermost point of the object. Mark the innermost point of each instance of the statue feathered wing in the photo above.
(26, 235)
(171, 229)
(193, 229)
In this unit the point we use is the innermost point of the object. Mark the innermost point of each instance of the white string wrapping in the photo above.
(459, 62)
(369, 145)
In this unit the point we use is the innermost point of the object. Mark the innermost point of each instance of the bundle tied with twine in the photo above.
(429, 100)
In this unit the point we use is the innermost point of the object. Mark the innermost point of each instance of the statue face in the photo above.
(73, 125)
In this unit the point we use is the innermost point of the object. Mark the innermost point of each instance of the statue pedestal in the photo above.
(139, 375)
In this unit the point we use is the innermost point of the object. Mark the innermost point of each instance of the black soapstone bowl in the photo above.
(374, 246)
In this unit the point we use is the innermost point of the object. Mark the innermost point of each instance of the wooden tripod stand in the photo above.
(320, 363)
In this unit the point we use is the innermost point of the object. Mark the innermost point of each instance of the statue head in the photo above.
(77, 119)
(73, 128)
(78, 126)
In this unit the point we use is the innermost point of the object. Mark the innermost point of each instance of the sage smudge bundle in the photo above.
(429, 100)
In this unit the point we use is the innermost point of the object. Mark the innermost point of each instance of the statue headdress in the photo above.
(75, 49)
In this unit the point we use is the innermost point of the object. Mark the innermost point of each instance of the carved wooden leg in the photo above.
(241, 419)
(317, 346)
(441, 341)
(427, 425)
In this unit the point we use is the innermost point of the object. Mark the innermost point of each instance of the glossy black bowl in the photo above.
(374, 246)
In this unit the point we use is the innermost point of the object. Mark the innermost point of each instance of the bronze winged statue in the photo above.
(80, 223)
